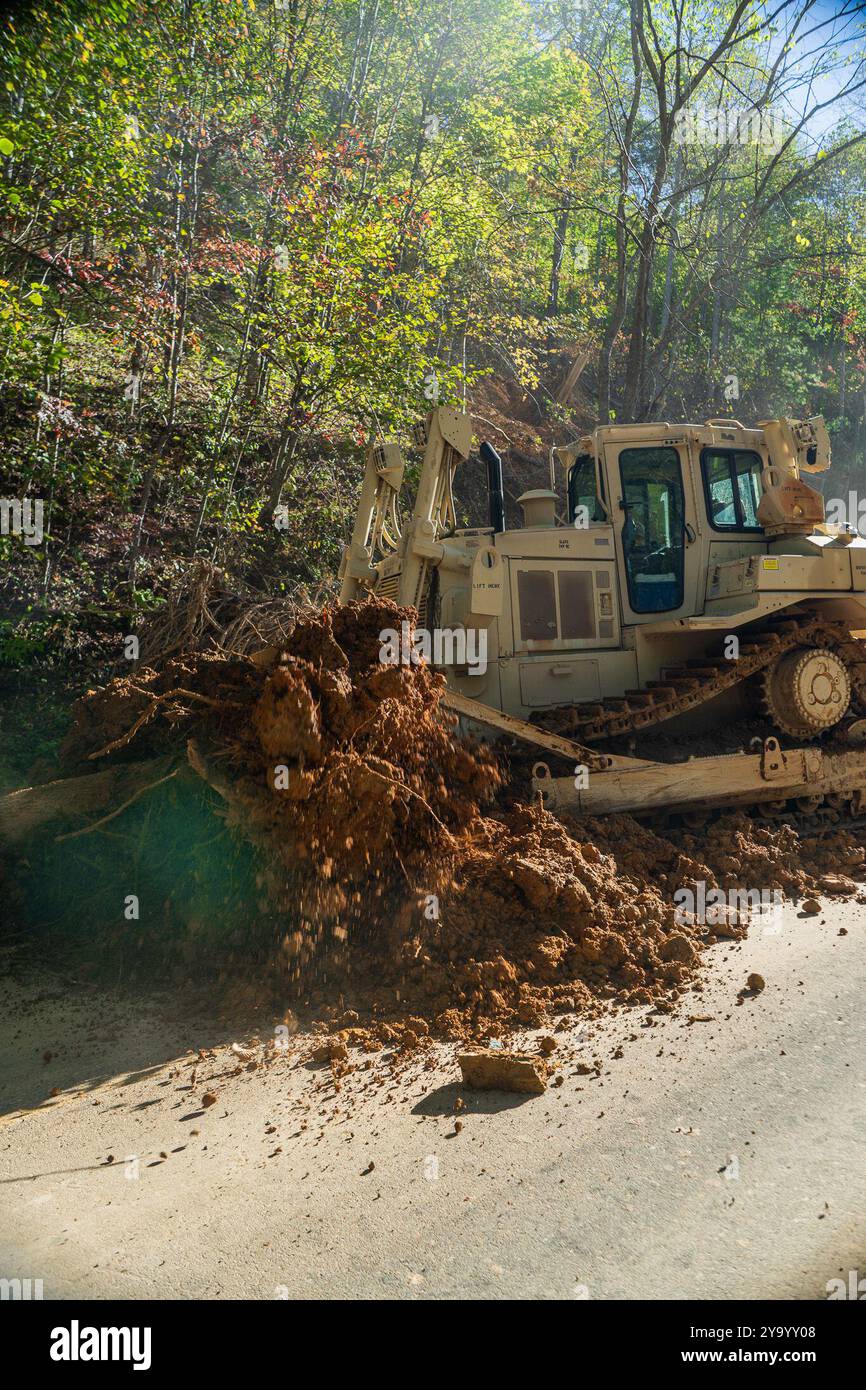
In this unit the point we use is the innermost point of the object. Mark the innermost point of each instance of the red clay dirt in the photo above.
(408, 899)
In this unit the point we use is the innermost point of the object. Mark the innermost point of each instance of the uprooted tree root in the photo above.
(384, 882)
(342, 772)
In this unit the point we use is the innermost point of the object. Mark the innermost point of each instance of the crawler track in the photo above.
(686, 687)
(812, 817)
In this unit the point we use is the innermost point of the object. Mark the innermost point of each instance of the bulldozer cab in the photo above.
(679, 501)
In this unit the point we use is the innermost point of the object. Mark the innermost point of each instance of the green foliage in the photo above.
(238, 236)
(26, 642)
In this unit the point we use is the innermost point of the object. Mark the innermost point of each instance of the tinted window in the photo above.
(732, 486)
(653, 533)
(582, 489)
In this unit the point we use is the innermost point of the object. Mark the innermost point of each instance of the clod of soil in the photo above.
(837, 883)
(503, 1071)
(331, 1051)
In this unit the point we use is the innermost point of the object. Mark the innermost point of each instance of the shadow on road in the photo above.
(57, 1042)
(441, 1101)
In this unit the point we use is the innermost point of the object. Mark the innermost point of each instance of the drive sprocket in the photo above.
(806, 691)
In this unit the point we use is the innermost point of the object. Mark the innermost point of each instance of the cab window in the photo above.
(653, 533)
(582, 489)
(732, 487)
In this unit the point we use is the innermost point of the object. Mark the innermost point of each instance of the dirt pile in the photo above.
(545, 917)
(737, 851)
(533, 921)
(341, 770)
(389, 886)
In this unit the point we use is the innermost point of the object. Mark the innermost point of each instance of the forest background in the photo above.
(240, 237)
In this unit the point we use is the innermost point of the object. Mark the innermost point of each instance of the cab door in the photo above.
(655, 530)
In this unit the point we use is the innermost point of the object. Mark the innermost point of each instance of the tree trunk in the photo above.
(95, 795)
(560, 228)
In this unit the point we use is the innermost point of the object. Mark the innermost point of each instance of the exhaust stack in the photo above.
(495, 494)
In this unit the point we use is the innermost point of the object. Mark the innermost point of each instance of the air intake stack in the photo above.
(539, 507)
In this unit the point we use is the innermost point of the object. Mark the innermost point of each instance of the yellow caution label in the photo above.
(770, 564)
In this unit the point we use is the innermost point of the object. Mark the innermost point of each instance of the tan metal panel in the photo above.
(544, 682)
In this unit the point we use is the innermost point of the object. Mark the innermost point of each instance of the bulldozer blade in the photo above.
(739, 779)
(478, 713)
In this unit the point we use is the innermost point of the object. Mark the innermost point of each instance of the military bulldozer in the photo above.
(667, 574)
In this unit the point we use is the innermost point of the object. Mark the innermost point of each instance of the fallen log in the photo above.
(94, 798)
